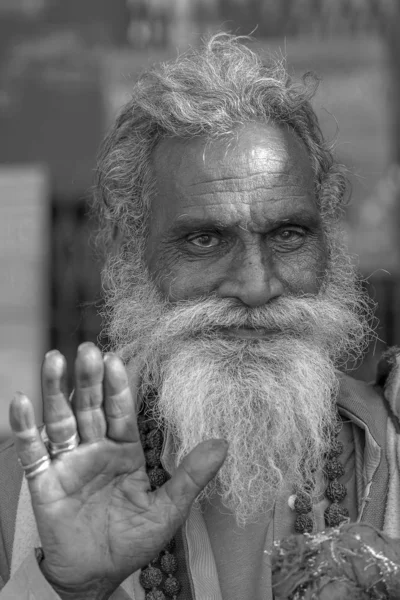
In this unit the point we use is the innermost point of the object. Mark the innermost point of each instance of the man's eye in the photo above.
(290, 235)
(204, 240)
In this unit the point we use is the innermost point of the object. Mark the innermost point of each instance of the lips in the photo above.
(246, 332)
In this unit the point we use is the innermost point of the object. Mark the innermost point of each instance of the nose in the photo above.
(252, 280)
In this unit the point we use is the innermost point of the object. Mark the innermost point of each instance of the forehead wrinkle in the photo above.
(241, 177)
(238, 170)
(246, 182)
(290, 195)
(264, 160)
(254, 197)
(248, 185)
(247, 212)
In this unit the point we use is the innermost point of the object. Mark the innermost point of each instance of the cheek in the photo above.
(180, 280)
(305, 272)
(183, 284)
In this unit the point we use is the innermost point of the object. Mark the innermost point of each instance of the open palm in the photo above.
(96, 515)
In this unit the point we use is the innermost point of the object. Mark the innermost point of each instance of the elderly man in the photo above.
(220, 422)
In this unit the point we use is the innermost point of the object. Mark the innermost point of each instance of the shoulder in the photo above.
(378, 400)
(364, 404)
(388, 379)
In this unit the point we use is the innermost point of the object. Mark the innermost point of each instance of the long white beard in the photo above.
(272, 399)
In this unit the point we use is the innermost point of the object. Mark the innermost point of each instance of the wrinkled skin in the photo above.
(97, 518)
(239, 221)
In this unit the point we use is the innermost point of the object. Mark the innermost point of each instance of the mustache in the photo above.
(291, 315)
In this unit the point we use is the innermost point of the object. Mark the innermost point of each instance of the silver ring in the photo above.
(56, 448)
(36, 467)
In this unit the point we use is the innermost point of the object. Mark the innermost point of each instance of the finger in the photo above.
(57, 412)
(87, 399)
(28, 442)
(119, 406)
(195, 471)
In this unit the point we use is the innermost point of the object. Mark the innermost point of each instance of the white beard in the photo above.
(272, 400)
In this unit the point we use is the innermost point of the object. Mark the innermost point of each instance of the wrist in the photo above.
(93, 590)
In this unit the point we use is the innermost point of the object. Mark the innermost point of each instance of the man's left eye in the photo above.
(204, 240)
(290, 235)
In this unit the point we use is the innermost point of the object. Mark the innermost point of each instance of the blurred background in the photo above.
(66, 67)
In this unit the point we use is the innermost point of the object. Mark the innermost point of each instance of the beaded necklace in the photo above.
(158, 578)
(335, 491)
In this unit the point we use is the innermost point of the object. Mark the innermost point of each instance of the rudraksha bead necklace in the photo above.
(301, 502)
(157, 578)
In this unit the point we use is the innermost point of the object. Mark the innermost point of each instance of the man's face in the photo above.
(237, 220)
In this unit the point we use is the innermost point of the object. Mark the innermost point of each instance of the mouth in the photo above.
(246, 333)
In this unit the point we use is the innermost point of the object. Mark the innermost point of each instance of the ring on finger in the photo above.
(36, 467)
(56, 448)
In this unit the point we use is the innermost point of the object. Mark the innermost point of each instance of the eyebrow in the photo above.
(186, 223)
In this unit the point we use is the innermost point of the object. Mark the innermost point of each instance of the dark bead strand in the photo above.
(154, 439)
(152, 424)
(303, 524)
(169, 564)
(152, 456)
(303, 504)
(336, 449)
(155, 595)
(334, 469)
(159, 583)
(170, 547)
(143, 423)
(335, 492)
(157, 477)
(335, 514)
(142, 437)
(150, 577)
(171, 586)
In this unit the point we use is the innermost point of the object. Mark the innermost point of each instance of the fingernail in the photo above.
(51, 353)
(54, 364)
(86, 346)
(114, 359)
(22, 416)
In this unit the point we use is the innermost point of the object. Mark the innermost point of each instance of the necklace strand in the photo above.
(335, 491)
(158, 578)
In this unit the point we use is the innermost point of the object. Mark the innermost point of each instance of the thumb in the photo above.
(194, 472)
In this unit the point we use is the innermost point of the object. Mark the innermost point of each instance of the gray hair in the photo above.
(206, 92)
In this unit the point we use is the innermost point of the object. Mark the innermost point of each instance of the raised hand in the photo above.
(97, 518)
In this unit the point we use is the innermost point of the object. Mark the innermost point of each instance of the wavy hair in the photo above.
(206, 92)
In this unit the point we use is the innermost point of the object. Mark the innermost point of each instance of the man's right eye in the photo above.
(205, 240)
